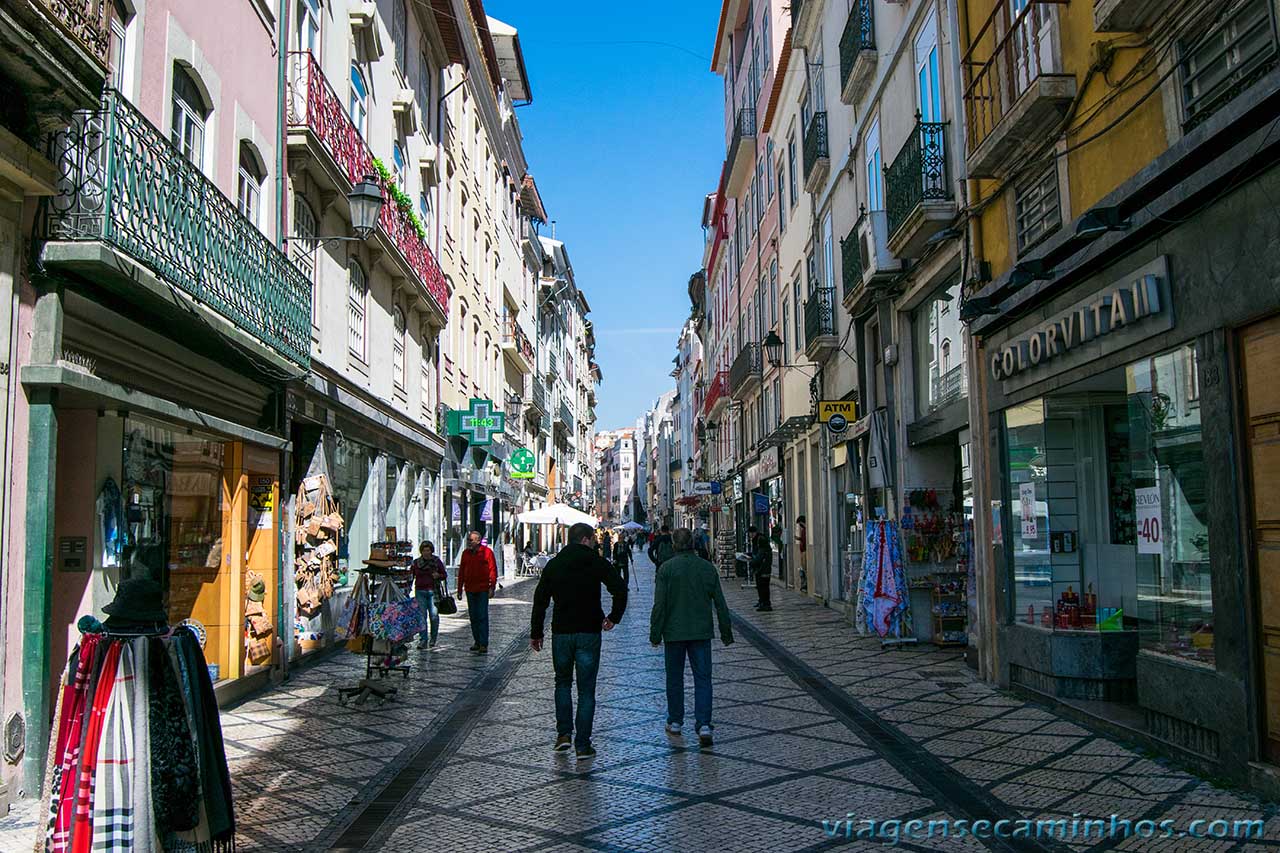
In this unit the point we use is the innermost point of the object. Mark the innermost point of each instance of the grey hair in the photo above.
(682, 539)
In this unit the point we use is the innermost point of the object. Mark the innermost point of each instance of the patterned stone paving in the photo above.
(813, 723)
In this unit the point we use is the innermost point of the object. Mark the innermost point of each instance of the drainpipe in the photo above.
(282, 231)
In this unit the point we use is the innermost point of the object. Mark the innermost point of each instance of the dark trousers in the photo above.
(699, 655)
(580, 652)
(763, 590)
(478, 614)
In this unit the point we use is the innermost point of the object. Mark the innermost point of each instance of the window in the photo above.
(357, 298)
(768, 165)
(1037, 212)
(786, 324)
(304, 227)
(424, 210)
(773, 292)
(358, 105)
(939, 382)
(828, 255)
(397, 348)
(875, 168)
(306, 33)
(791, 168)
(425, 76)
(399, 32)
(795, 303)
(249, 183)
(398, 165)
(1236, 50)
(926, 47)
(189, 115)
(116, 53)
(782, 198)
(765, 46)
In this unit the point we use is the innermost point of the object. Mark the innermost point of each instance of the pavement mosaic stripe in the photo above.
(953, 792)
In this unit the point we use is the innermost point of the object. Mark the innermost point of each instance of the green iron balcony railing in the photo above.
(565, 416)
(859, 35)
(918, 173)
(815, 143)
(744, 128)
(819, 316)
(124, 183)
(539, 397)
(746, 367)
(851, 261)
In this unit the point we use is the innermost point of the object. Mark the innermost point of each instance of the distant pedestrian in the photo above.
(478, 578)
(761, 566)
(622, 559)
(802, 544)
(572, 579)
(428, 576)
(686, 590)
(606, 545)
(702, 543)
(661, 549)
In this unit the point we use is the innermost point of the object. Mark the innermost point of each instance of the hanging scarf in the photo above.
(884, 589)
(82, 821)
(216, 832)
(70, 729)
(144, 828)
(53, 761)
(175, 786)
(113, 793)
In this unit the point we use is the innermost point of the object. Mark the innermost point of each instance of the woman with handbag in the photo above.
(428, 576)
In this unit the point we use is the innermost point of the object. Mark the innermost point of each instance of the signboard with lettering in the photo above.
(847, 409)
(1148, 520)
(478, 423)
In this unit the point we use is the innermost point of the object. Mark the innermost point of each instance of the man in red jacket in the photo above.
(478, 578)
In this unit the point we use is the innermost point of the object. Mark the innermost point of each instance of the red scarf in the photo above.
(74, 699)
(82, 825)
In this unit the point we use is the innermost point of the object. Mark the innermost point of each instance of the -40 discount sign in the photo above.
(1149, 520)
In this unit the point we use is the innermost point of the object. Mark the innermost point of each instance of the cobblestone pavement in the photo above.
(813, 723)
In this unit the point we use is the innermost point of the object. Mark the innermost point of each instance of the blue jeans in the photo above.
(478, 614)
(699, 653)
(427, 604)
(580, 651)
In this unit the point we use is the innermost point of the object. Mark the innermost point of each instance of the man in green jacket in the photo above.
(686, 590)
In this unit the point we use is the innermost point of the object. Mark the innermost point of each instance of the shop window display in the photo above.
(352, 469)
(1106, 486)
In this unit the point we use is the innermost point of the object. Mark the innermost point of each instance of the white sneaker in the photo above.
(704, 736)
(673, 729)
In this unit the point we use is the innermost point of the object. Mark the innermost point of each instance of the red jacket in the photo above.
(477, 571)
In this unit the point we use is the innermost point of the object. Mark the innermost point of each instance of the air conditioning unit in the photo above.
(873, 244)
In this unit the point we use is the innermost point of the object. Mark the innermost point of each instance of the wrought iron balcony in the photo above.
(851, 267)
(949, 387)
(742, 151)
(315, 109)
(124, 184)
(538, 396)
(817, 160)
(857, 51)
(1017, 88)
(746, 369)
(552, 366)
(717, 394)
(918, 189)
(515, 343)
(564, 417)
(819, 322)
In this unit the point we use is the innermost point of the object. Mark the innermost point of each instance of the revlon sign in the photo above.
(1115, 311)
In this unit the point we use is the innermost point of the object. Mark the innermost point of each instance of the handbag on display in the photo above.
(309, 599)
(260, 625)
(258, 650)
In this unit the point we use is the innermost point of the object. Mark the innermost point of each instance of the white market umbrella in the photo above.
(629, 526)
(556, 514)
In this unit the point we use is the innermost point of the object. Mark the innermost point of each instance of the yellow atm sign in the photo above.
(847, 409)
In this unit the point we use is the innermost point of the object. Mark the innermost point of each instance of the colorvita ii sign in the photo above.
(1110, 313)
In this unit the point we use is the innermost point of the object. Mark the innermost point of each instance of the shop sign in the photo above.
(846, 409)
(478, 423)
(997, 522)
(1147, 517)
(761, 503)
(260, 503)
(1115, 310)
(837, 424)
(860, 427)
(523, 463)
(767, 466)
(1027, 509)
(705, 487)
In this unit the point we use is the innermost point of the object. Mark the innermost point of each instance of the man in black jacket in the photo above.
(573, 579)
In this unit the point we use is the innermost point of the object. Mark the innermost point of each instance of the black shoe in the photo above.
(563, 742)
(475, 647)
(766, 609)
(585, 753)
(482, 650)
(704, 736)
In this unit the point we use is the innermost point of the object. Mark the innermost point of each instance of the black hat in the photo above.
(137, 601)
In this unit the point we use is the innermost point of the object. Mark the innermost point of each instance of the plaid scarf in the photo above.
(82, 821)
(53, 761)
(113, 772)
(144, 835)
(70, 728)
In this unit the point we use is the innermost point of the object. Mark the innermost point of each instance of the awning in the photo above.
(788, 431)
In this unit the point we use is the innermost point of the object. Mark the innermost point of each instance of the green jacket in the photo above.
(686, 589)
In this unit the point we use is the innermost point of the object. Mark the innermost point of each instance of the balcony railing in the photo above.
(552, 367)
(85, 21)
(745, 368)
(565, 416)
(919, 173)
(122, 182)
(514, 336)
(1018, 57)
(815, 144)
(314, 106)
(715, 391)
(538, 396)
(819, 316)
(859, 35)
(744, 127)
(949, 387)
(851, 261)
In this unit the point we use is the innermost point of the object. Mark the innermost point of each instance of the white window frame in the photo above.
(400, 329)
(357, 311)
(875, 167)
(189, 120)
(358, 100)
(306, 230)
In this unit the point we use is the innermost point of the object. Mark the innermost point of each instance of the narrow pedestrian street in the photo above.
(813, 724)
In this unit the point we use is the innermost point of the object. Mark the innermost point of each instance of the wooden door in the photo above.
(1260, 351)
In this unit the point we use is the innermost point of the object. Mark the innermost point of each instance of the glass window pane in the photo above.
(1027, 539)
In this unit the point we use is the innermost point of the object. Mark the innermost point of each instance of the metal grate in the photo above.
(1226, 59)
(918, 173)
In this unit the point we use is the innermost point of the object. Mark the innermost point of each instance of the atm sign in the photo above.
(847, 408)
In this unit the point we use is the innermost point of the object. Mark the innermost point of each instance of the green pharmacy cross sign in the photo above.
(523, 464)
(479, 423)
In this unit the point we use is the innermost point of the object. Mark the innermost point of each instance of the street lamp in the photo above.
(773, 348)
(365, 200)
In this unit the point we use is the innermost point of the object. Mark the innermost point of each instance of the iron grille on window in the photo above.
(1038, 212)
(815, 142)
(1226, 59)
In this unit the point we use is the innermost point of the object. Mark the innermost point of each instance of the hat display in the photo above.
(138, 600)
(257, 587)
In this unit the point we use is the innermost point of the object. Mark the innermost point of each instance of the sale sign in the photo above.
(1149, 521)
(1027, 509)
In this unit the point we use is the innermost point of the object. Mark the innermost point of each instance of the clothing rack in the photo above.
(371, 686)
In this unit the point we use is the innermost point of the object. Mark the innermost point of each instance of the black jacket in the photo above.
(572, 579)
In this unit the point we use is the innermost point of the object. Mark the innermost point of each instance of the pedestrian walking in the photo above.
(478, 578)
(686, 590)
(702, 543)
(761, 567)
(622, 559)
(660, 549)
(802, 543)
(428, 576)
(606, 545)
(572, 580)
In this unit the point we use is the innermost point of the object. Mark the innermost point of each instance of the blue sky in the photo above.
(624, 137)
